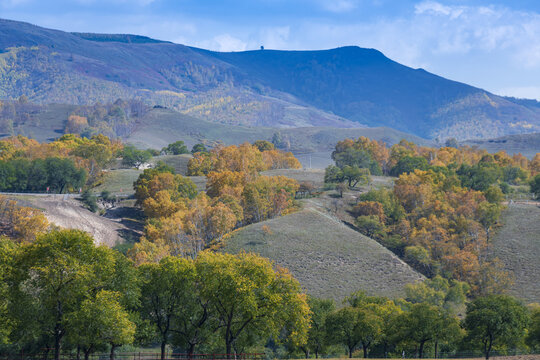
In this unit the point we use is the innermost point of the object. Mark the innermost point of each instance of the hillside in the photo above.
(517, 244)
(526, 144)
(160, 127)
(342, 87)
(329, 259)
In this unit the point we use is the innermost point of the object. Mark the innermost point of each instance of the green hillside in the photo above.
(329, 259)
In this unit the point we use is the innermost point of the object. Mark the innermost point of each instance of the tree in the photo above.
(199, 148)
(131, 156)
(264, 145)
(317, 337)
(99, 322)
(247, 296)
(8, 251)
(343, 327)
(166, 292)
(369, 225)
(488, 215)
(494, 321)
(55, 274)
(535, 186)
(533, 337)
(354, 175)
(175, 148)
(63, 174)
(408, 164)
(423, 323)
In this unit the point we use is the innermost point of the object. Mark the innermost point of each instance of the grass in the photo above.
(178, 162)
(517, 244)
(329, 259)
(119, 181)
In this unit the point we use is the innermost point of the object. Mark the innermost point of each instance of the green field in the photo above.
(517, 244)
(178, 162)
(328, 258)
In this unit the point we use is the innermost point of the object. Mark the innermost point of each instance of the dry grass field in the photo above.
(517, 244)
(328, 258)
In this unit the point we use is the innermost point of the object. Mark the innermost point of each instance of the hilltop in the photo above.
(343, 87)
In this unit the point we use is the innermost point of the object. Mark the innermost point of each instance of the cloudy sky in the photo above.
(493, 44)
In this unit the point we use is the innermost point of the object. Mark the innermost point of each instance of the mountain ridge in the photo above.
(343, 87)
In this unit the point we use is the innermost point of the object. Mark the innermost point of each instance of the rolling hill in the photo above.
(329, 259)
(344, 87)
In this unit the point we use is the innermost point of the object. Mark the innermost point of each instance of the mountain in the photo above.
(526, 144)
(343, 87)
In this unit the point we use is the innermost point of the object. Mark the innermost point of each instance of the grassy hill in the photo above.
(517, 244)
(526, 144)
(329, 259)
(338, 87)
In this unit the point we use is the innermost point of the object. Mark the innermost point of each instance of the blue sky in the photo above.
(494, 44)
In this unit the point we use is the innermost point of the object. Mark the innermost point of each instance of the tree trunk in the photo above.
(57, 340)
(421, 350)
(78, 352)
(228, 347)
(436, 346)
(316, 354)
(350, 352)
(364, 347)
(191, 350)
(87, 353)
(113, 349)
(163, 346)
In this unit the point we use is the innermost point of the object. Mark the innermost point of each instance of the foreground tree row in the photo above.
(63, 293)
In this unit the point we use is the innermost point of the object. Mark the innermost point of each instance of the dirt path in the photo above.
(69, 213)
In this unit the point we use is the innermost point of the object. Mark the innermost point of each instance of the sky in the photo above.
(494, 45)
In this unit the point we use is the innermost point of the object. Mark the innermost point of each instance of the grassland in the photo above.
(526, 144)
(517, 244)
(328, 258)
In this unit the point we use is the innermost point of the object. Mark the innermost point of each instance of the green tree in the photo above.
(535, 186)
(317, 338)
(343, 328)
(131, 156)
(176, 148)
(495, 321)
(408, 164)
(62, 174)
(99, 322)
(247, 296)
(166, 292)
(370, 226)
(488, 215)
(533, 336)
(7, 254)
(54, 275)
(354, 175)
(198, 148)
(422, 324)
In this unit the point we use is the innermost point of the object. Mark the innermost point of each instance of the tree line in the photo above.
(62, 294)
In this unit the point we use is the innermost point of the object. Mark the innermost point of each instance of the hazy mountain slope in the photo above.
(160, 127)
(526, 144)
(329, 259)
(262, 88)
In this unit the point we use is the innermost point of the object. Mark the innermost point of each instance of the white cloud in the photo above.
(224, 42)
